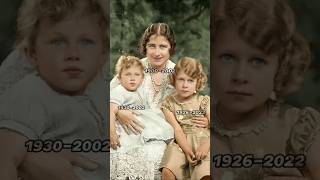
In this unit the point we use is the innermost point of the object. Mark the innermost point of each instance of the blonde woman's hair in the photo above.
(126, 62)
(193, 68)
(32, 12)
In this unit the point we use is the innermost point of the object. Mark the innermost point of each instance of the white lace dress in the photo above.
(142, 161)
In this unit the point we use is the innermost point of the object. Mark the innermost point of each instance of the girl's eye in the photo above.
(258, 61)
(127, 74)
(137, 74)
(59, 42)
(86, 42)
(227, 58)
(190, 80)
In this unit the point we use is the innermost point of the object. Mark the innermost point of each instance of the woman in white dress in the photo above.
(158, 45)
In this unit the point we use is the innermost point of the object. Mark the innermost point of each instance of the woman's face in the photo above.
(243, 75)
(158, 51)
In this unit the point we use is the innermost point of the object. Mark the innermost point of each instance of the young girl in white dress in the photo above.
(128, 159)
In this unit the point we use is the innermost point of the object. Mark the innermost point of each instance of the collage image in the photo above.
(159, 90)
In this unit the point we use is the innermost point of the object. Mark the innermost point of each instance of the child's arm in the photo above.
(114, 139)
(12, 153)
(179, 135)
(203, 150)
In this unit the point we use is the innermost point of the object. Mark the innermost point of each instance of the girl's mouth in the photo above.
(241, 93)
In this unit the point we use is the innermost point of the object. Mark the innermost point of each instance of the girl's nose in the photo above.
(239, 74)
(72, 53)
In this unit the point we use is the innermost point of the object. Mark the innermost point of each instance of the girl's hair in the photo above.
(32, 11)
(161, 29)
(193, 68)
(270, 26)
(126, 62)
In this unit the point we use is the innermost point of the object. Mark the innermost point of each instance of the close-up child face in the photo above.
(158, 50)
(131, 78)
(243, 75)
(69, 53)
(185, 85)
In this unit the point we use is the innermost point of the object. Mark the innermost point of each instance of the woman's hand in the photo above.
(203, 150)
(129, 122)
(53, 166)
(201, 121)
(114, 139)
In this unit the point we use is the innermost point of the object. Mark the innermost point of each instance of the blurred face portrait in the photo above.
(243, 75)
(69, 53)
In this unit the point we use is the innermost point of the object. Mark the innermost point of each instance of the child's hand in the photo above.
(202, 151)
(191, 157)
(114, 139)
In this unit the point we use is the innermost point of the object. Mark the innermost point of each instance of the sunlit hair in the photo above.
(193, 68)
(162, 29)
(126, 62)
(32, 12)
(270, 26)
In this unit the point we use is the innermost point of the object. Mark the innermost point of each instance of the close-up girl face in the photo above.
(131, 78)
(243, 75)
(185, 85)
(68, 54)
(158, 51)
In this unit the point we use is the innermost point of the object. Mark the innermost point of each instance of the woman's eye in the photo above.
(151, 46)
(258, 61)
(227, 58)
(163, 47)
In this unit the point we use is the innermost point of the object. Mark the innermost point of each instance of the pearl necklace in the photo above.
(163, 81)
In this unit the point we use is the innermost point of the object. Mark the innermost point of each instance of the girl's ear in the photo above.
(31, 56)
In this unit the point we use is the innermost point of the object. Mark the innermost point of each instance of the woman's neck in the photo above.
(234, 120)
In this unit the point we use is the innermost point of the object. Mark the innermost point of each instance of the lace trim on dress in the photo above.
(256, 129)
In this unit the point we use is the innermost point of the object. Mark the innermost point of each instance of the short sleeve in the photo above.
(304, 131)
(22, 110)
(117, 95)
(166, 104)
(205, 103)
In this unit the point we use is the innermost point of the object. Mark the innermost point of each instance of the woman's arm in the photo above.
(12, 153)
(129, 122)
(114, 139)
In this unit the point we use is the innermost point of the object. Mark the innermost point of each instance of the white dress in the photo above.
(142, 160)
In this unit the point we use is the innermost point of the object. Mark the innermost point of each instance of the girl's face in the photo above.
(131, 78)
(185, 85)
(243, 75)
(158, 51)
(68, 54)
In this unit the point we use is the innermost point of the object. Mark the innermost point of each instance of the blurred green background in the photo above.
(190, 21)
